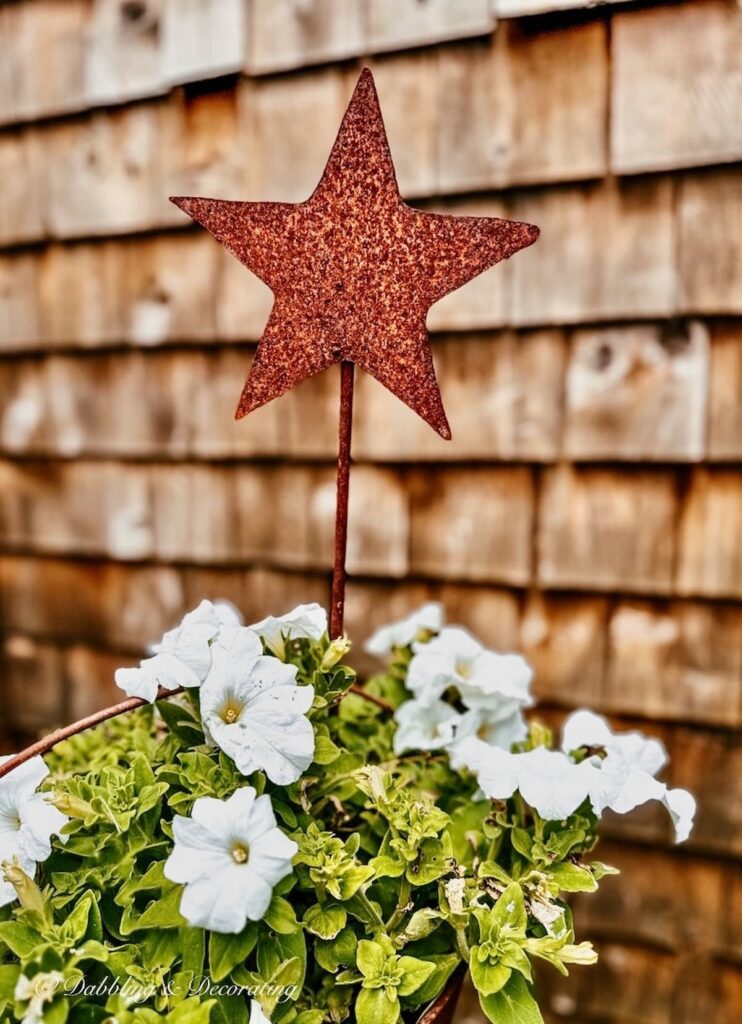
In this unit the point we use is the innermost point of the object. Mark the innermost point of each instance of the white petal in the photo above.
(682, 808)
(424, 726)
(225, 904)
(282, 747)
(584, 728)
(27, 777)
(227, 613)
(271, 856)
(551, 783)
(504, 677)
(429, 674)
(161, 670)
(426, 619)
(40, 821)
(306, 621)
(256, 1013)
(455, 641)
(495, 729)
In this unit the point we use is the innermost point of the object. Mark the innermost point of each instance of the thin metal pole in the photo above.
(44, 745)
(339, 575)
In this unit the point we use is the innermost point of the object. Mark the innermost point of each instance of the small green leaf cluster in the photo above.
(402, 876)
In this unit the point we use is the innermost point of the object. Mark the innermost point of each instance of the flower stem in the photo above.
(462, 945)
(371, 910)
(395, 920)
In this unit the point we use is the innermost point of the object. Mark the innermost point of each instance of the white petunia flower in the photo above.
(428, 618)
(547, 779)
(497, 683)
(183, 656)
(424, 726)
(497, 680)
(625, 777)
(229, 855)
(27, 820)
(306, 621)
(488, 725)
(252, 708)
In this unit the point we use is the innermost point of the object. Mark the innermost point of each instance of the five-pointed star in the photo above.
(354, 270)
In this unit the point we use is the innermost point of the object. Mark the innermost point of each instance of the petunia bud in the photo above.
(72, 806)
(29, 895)
(335, 653)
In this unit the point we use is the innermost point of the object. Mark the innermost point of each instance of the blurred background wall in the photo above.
(588, 509)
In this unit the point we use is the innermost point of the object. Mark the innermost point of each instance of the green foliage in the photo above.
(401, 874)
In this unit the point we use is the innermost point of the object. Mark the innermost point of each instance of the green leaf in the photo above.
(434, 856)
(387, 867)
(510, 910)
(444, 966)
(487, 977)
(370, 959)
(163, 913)
(325, 921)
(513, 1004)
(522, 842)
(373, 1006)
(416, 973)
(226, 951)
(325, 751)
(338, 952)
(181, 722)
(512, 955)
(231, 1010)
(572, 878)
(9, 974)
(19, 938)
(192, 943)
(280, 916)
(191, 1011)
(422, 923)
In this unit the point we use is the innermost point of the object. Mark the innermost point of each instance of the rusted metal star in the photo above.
(354, 271)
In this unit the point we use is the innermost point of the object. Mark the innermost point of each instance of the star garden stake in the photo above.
(354, 271)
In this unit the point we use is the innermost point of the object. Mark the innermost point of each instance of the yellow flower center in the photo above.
(240, 853)
(231, 711)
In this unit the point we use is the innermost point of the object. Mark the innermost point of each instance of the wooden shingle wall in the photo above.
(589, 508)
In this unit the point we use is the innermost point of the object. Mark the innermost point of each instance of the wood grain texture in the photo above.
(710, 542)
(677, 86)
(588, 535)
(639, 393)
(539, 98)
(487, 517)
(725, 392)
(710, 233)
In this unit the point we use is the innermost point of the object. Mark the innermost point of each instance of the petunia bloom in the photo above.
(625, 778)
(499, 684)
(27, 821)
(183, 656)
(306, 621)
(428, 618)
(253, 709)
(489, 724)
(229, 855)
(424, 726)
(547, 779)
